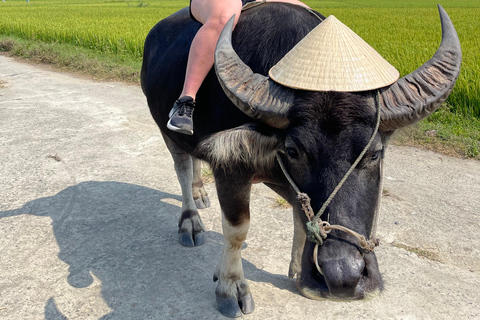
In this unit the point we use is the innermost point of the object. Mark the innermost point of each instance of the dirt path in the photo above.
(89, 204)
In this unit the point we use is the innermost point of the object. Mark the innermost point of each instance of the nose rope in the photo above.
(318, 229)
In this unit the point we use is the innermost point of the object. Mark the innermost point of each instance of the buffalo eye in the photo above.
(291, 152)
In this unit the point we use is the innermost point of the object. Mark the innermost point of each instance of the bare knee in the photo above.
(218, 22)
(215, 14)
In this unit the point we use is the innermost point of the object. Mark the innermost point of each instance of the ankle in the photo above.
(192, 96)
(186, 99)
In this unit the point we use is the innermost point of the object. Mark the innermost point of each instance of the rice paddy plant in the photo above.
(406, 33)
(113, 27)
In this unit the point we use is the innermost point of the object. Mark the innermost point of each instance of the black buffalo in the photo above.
(318, 135)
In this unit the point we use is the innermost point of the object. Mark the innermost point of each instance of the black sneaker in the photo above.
(181, 116)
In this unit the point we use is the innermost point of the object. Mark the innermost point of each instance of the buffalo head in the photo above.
(319, 135)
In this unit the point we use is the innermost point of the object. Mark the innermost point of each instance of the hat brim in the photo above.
(333, 58)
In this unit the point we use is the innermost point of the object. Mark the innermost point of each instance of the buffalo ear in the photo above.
(418, 94)
(254, 94)
(248, 145)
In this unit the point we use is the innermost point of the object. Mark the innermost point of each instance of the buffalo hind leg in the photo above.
(232, 292)
(191, 231)
(200, 196)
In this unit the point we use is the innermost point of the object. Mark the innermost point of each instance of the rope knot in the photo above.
(369, 245)
(304, 200)
(316, 232)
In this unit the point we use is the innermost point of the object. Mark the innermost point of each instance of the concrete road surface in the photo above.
(89, 204)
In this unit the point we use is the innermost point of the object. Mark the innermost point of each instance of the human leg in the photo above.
(213, 14)
(297, 2)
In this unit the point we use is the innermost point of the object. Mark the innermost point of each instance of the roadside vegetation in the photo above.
(430, 254)
(70, 58)
(104, 39)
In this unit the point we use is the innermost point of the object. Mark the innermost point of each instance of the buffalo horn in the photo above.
(254, 94)
(418, 94)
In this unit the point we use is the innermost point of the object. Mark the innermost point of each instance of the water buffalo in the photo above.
(244, 121)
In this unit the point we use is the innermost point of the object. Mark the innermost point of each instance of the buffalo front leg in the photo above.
(232, 292)
(299, 219)
(191, 231)
(299, 238)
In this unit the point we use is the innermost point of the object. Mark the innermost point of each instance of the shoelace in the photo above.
(185, 110)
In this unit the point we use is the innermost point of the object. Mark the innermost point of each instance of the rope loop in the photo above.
(369, 245)
(317, 231)
(365, 244)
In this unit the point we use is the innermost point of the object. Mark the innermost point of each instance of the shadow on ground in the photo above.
(126, 236)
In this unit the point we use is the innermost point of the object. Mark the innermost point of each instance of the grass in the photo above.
(423, 253)
(207, 173)
(74, 59)
(104, 39)
(114, 26)
(444, 132)
(281, 202)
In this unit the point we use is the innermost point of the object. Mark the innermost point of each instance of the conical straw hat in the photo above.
(333, 58)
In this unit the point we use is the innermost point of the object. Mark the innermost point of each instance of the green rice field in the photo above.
(406, 33)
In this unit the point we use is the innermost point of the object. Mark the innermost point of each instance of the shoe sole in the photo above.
(179, 130)
(170, 114)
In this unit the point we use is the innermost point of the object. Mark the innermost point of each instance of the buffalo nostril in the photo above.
(343, 276)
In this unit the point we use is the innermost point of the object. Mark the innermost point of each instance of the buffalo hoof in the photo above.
(191, 232)
(233, 308)
(200, 196)
(202, 202)
(187, 240)
(236, 305)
